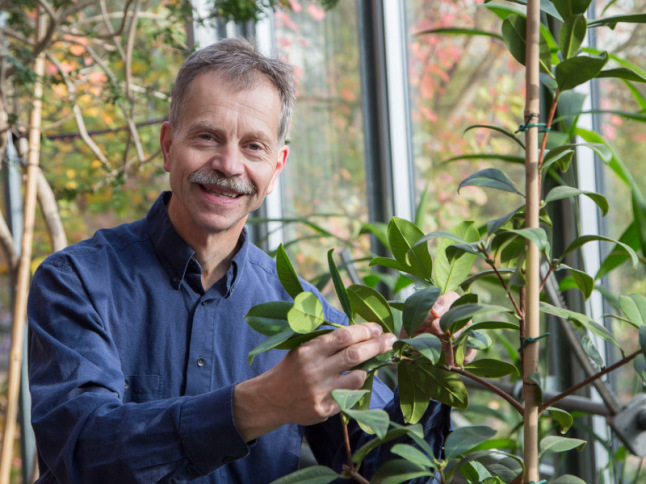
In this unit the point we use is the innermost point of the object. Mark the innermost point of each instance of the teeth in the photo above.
(222, 194)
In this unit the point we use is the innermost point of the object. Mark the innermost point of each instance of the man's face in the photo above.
(223, 158)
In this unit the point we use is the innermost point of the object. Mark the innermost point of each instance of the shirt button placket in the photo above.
(198, 377)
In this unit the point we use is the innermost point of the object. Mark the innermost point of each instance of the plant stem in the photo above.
(548, 125)
(491, 263)
(587, 381)
(532, 257)
(511, 400)
(355, 475)
(348, 448)
(549, 272)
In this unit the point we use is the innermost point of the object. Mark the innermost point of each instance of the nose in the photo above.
(228, 160)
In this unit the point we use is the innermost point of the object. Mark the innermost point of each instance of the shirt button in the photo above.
(201, 362)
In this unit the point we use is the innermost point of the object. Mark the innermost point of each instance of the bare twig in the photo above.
(498, 391)
(492, 264)
(588, 380)
(78, 116)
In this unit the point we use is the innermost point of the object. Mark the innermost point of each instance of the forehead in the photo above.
(211, 93)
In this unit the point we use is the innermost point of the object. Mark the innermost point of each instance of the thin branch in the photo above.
(549, 272)
(548, 125)
(119, 31)
(78, 116)
(108, 25)
(491, 264)
(587, 381)
(348, 448)
(6, 241)
(128, 68)
(506, 396)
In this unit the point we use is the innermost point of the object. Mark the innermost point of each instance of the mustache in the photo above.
(216, 179)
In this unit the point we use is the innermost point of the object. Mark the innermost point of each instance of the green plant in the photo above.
(506, 250)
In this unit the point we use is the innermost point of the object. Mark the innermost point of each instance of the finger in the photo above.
(339, 339)
(356, 354)
(351, 380)
(443, 303)
(470, 355)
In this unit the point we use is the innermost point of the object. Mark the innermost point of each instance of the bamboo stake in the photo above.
(532, 191)
(22, 285)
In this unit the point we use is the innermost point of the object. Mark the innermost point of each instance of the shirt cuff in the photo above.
(208, 431)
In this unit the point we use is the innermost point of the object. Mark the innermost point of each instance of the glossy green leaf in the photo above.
(412, 454)
(287, 274)
(458, 31)
(622, 73)
(270, 343)
(375, 362)
(614, 20)
(388, 262)
(463, 439)
(417, 307)
(580, 241)
(504, 465)
(568, 479)
(298, 339)
(448, 274)
(420, 211)
(590, 349)
(307, 313)
(396, 471)
(634, 307)
(339, 287)
(555, 443)
(490, 368)
(269, 318)
(563, 418)
(426, 344)
(478, 340)
(423, 381)
(497, 223)
(491, 178)
(346, 399)
(309, 475)
(536, 235)
(371, 421)
(571, 35)
(413, 400)
(395, 432)
(371, 306)
(617, 255)
(578, 70)
(403, 236)
(568, 8)
(514, 29)
(581, 319)
(583, 281)
(562, 155)
(562, 192)
(458, 316)
(505, 132)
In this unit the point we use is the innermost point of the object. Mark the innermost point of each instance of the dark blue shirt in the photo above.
(132, 365)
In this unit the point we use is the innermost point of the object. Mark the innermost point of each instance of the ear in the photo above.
(165, 141)
(280, 164)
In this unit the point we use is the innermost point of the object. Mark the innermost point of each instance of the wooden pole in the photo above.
(532, 191)
(23, 279)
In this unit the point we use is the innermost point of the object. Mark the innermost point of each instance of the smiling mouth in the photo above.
(220, 192)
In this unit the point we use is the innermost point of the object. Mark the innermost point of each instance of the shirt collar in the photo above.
(177, 256)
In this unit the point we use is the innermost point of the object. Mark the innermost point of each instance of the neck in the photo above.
(213, 250)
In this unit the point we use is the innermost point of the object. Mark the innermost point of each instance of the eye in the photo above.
(254, 146)
(206, 137)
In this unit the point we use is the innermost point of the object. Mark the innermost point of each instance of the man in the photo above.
(138, 348)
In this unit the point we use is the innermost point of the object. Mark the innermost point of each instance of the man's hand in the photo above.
(299, 389)
(431, 325)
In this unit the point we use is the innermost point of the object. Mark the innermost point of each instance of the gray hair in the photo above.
(239, 63)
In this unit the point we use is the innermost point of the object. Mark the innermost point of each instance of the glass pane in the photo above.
(627, 138)
(457, 81)
(325, 171)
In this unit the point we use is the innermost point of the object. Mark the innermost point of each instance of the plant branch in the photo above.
(491, 264)
(501, 393)
(587, 381)
(549, 272)
(548, 125)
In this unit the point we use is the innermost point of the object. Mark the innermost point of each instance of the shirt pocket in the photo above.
(142, 388)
